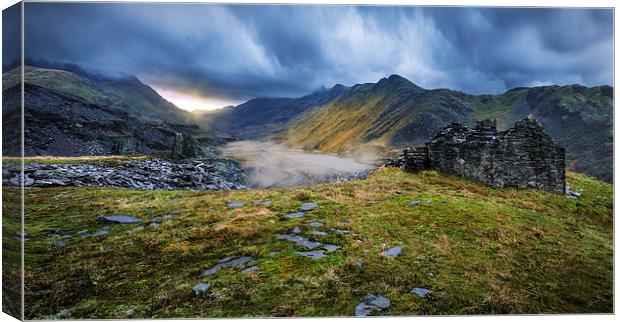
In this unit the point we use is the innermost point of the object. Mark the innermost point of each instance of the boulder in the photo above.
(420, 291)
(307, 206)
(294, 215)
(392, 252)
(201, 288)
(371, 304)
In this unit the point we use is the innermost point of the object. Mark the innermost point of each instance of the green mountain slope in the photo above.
(395, 113)
(126, 92)
(260, 117)
(479, 250)
(391, 113)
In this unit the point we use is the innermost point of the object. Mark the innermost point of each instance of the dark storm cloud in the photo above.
(240, 51)
(11, 37)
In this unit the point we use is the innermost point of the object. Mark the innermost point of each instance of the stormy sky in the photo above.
(222, 54)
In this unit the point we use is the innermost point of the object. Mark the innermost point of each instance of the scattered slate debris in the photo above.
(226, 262)
(120, 219)
(58, 235)
(170, 215)
(296, 230)
(318, 233)
(314, 254)
(315, 224)
(289, 237)
(331, 248)
(154, 224)
(358, 264)
(265, 203)
(251, 269)
(307, 206)
(392, 252)
(570, 194)
(60, 243)
(201, 288)
(294, 215)
(226, 259)
(342, 231)
(274, 253)
(414, 203)
(420, 291)
(83, 233)
(308, 244)
(372, 303)
(236, 204)
(100, 233)
(299, 240)
(429, 201)
(18, 236)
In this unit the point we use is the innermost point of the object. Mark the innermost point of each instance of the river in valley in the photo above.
(270, 164)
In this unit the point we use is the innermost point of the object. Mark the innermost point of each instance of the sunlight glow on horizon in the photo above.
(190, 102)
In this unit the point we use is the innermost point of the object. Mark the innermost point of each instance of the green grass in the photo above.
(89, 159)
(480, 250)
(11, 253)
(59, 80)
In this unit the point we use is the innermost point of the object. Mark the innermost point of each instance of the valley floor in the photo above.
(273, 165)
(479, 250)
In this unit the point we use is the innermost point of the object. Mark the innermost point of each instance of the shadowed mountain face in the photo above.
(67, 114)
(260, 117)
(123, 92)
(394, 113)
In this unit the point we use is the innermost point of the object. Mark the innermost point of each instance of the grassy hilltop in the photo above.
(479, 250)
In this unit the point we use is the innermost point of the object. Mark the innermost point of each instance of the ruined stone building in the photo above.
(523, 156)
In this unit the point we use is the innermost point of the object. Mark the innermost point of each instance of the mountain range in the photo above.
(395, 113)
(72, 112)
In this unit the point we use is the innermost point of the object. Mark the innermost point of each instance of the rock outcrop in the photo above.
(523, 156)
(185, 146)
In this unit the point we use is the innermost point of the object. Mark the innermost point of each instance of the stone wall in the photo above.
(523, 156)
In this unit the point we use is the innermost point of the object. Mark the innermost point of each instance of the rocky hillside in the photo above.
(395, 113)
(67, 115)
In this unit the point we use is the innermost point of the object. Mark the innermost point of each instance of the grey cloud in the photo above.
(244, 51)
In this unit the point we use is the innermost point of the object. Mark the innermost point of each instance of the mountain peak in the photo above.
(396, 77)
(396, 80)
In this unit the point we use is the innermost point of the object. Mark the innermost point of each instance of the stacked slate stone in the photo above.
(523, 156)
(416, 158)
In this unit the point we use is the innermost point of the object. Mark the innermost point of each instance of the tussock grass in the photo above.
(480, 250)
(87, 159)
